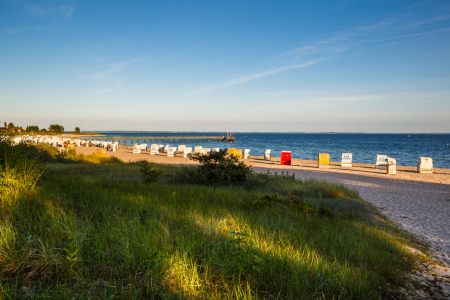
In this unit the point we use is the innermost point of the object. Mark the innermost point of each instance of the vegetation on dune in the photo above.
(90, 231)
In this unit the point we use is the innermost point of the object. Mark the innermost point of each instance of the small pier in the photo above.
(151, 139)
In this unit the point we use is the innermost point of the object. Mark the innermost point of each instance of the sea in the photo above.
(405, 148)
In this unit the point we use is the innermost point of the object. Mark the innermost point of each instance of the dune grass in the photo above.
(96, 231)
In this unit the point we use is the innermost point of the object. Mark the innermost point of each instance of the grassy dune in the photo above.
(94, 230)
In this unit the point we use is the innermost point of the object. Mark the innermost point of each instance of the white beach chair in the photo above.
(181, 148)
(391, 166)
(347, 160)
(197, 149)
(381, 162)
(166, 148)
(172, 151)
(215, 149)
(137, 149)
(154, 149)
(205, 151)
(246, 153)
(188, 152)
(144, 147)
(161, 148)
(267, 155)
(425, 165)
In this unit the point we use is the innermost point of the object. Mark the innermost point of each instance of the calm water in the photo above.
(364, 147)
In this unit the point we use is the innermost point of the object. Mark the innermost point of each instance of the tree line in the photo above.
(33, 128)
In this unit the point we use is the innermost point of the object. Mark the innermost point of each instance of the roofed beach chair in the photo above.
(237, 153)
(166, 148)
(154, 149)
(347, 160)
(137, 149)
(246, 153)
(172, 151)
(267, 155)
(197, 149)
(144, 147)
(187, 152)
(381, 162)
(215, 149)
(391, 166)
(323, 160)
(425, 165)
(181, 148)
(205, 151)
(161, 148)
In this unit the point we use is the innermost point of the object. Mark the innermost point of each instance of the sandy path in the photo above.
(419, 203)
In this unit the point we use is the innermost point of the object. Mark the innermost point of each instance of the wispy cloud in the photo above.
(428, 21)
(256, 76)
(43, 10)
(111, 73)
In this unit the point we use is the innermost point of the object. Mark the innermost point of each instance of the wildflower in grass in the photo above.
(253, 202)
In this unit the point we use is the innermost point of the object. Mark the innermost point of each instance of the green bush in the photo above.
(148, 173)
(216, 168)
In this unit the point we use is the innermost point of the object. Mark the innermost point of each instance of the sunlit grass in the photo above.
(172, 241)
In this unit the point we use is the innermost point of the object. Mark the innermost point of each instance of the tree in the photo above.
(11, 126)
(32, 128)
(77, 129)
(56, 128)
(44, 129)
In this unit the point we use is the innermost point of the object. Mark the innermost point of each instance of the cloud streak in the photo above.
(112, 72)
(257, 75)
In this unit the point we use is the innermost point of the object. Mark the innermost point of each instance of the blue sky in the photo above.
(303, 66)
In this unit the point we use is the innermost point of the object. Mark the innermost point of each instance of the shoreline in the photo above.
(418, 203)
(439, 175)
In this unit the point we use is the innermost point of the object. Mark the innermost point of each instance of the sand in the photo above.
(418, 203)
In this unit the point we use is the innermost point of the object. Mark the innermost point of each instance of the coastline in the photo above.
(418, 203)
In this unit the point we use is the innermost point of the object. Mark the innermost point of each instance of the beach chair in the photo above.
(381, 162)
(267, 155)
(187, 152)
(237, 153)
(323, 160)
(347, 160)
(100, 152)
(215, 149)
(205, 151)
(391, 166)
(230, 151)
(181, 148)
(285, 158)
(246, 153)
(154, 149)
(137, 149)
(425, 165)
(172, 151)
(161, 148)
(197, 149)
(166, 148)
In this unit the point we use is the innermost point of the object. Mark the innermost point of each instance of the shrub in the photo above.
(148, 173)
(216, 168)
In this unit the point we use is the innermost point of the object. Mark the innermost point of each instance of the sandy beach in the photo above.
(419, 203)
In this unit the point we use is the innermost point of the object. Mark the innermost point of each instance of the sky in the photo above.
(264, 66)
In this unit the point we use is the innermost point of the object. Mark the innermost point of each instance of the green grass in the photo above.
(180, 241)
